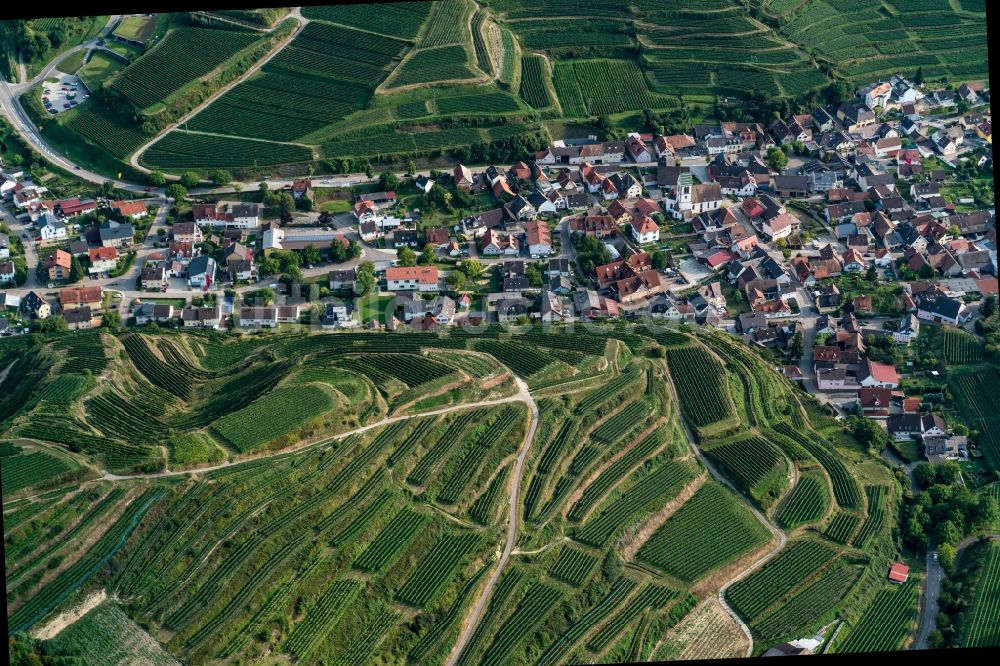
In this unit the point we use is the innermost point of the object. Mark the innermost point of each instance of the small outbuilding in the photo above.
(898, 573)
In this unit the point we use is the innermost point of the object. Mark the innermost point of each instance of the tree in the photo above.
(869, 433)
(265, 296)
(286, 204)
(76, 270)
(471, 267)
(176, 191)
(948, 472)
(871, 274)
(534, 275)
(365, 279)
(456, 280)
(190, 179)
(304, 203)
(924, 474)
(988, 306)
(292, 275)
(795, 346)
(406, 257)
(51, 324)
(270, 266)
(388, 181)
(439, 197)
(782, 243)
(659, 259)
(221, 177)
(337, 250)
(353, 249)
(156, 178)
(918, 78)
(428, 256)
(112, 319)
(411, 167)
(310, 254)
(777, 159)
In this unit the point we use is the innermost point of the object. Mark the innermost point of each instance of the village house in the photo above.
(233, 215)
(145, 313)
(186, 232)
(338, 315)
(203, 317)
(102, 259)
(51, 228)
(342, 279)
(80, 319)
(410, 278)
(153, 276)
(510, 310)
(494, 244)
(599, 226)
(539, 239)
(36, 306)
(133, 210)
(201, 272)
(116, 234)
(58, 265)
(79, 297)
(463, 178)
(260, 317)
(644, 230)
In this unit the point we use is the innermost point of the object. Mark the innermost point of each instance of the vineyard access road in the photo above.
(782, 537)
(522, 395)
(470, 624)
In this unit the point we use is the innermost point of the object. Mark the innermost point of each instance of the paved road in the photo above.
(469, 626)
(929, 607)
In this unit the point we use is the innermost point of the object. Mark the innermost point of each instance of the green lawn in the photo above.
(136, 28)
(909, 450)
(100, 68)
(176, 302)
(71, 63)
(372, 307)
(336, 206)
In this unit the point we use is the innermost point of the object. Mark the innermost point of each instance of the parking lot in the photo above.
(64, 95)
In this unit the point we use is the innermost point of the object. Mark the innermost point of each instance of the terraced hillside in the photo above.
(344, 498)
(863, 40)
(397, 81)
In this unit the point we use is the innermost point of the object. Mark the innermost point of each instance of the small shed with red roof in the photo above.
(898, 573)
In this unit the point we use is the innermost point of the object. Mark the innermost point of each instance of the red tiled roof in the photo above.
(883, 372)
(128, 208)
(80, 295)
(98, 253)
(898, 573)
(423, 274)
(60, 258)
(718, 258)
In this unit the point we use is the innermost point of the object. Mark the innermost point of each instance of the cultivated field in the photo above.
(320, 542)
